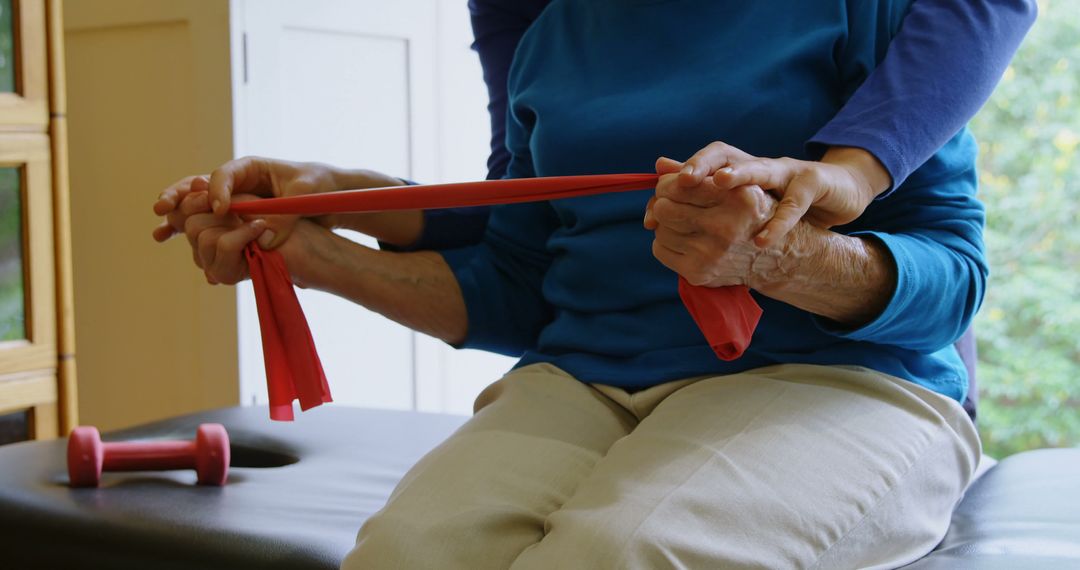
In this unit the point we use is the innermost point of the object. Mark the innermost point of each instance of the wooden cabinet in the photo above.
(37, 362)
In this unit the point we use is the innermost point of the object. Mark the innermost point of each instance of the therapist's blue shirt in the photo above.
(607, 86)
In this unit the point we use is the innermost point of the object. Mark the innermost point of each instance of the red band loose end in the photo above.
(727, 316)
(293, 368)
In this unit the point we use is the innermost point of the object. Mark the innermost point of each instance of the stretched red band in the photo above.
(727, 316)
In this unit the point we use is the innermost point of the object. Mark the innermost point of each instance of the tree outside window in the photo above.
(1028, 330)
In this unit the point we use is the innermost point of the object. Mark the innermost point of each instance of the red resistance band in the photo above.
(726, 315)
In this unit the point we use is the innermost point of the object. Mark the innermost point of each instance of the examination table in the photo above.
(297, 493)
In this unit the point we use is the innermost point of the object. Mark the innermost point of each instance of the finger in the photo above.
(228, 259)
(704, 195)
(665, 165)
(769, 173)
(195, 203)
(669, 257)
(650, 220)
(206, 244)
(797, 200)
(200, 183)
(678, 217)
(246, 174)
(278, 226)
(200, 223)
(708, 160)
(163, 232)
(679, 263)
(173, 195)
(675, 241)
(177, 221)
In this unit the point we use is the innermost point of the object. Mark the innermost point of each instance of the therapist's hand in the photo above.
(831, 192)
(268, 178)
(261, 177)
(705, 233)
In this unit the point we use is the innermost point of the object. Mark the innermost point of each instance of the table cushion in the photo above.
(1023, 513)
(323, 475)
(340, 465)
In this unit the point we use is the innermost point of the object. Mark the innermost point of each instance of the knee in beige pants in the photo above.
(786, 466)
(483, 495)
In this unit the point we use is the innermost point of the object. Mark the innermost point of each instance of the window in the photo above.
(1028, 330)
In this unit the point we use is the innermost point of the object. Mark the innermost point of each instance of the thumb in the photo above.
(278, 227)
(797, 200)
(665, 165)
(278, 230)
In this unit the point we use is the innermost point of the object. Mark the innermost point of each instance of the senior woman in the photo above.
(620, 440)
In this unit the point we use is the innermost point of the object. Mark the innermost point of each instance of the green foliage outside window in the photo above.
(12, 301)
(1029, 328)
(7, 48)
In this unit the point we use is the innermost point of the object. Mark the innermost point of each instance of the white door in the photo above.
(390, 86)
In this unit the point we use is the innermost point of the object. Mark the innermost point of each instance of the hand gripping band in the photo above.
(727, 316)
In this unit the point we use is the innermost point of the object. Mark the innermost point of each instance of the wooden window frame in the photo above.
(37, 352)
(28, 107)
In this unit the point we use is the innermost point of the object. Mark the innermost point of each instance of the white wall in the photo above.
(364, 83)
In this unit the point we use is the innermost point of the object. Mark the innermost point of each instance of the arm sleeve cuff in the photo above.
(882, 147)
(918, 315)
(447, 228)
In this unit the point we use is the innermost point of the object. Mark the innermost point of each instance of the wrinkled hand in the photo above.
(256, 176)
(705, 232)
(832, 192)
(217, 242)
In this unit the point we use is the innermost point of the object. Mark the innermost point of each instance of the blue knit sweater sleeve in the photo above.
(939, 70)
(501, 278)
(932, 228)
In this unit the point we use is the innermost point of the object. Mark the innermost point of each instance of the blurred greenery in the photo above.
(12, 301)
(1029, 328)
(7, 48)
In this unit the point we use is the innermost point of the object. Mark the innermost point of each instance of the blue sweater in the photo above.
(939, 70)
(608, 85)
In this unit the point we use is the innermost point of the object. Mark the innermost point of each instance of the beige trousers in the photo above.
(790, 466)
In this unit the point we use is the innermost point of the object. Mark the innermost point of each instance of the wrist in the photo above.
(352, 179)
(343, 179)
(848, 279)
(869, 173)
(778, 267)
(312, 254)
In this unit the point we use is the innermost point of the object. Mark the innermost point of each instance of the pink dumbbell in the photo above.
(208, 455)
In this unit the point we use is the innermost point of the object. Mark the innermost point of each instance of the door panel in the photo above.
(389, 86)
(351, 84)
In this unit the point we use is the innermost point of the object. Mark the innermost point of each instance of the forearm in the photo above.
(846, 279)
(869, 175)
(416, 289)
(939, 70)
(398, 228)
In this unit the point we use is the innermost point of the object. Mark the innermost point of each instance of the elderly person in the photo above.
(620, 440)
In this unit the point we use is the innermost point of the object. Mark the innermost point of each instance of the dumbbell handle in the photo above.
(87, 455)
(149, 455)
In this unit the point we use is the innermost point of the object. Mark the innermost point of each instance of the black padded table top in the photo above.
(324, 475)
(298, 492)
(1023, 513)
